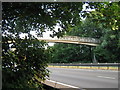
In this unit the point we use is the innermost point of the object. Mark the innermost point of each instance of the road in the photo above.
(85, 78)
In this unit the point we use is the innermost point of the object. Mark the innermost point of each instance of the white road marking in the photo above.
(94, 70)
(106, 77)
(62, 84)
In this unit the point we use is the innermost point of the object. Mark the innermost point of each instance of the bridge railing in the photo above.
(81, 39)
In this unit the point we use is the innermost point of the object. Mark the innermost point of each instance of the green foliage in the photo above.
(87, 28)
(25, 64)
(25, 67)
(103, 23)
(107, 51)
(106, 13)
(68, 53)
(23, 17)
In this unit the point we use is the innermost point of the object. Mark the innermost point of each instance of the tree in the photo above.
(78, 53)
(107, 51)
(70, 53)
(106, 13)
(25, 66)
(87, 28)
(103, 23)
(44, 16)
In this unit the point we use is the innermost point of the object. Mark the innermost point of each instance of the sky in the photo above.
(46, 35)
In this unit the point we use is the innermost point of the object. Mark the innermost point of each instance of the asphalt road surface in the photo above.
(85, 78)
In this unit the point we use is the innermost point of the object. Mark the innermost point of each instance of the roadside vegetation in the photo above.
(107, 51)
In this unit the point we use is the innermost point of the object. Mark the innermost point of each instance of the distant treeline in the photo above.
(107, 51)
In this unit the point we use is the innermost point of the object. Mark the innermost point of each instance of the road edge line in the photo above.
(62, 84)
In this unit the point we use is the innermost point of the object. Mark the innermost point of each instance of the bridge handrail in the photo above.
(83, 39)
(75, 38)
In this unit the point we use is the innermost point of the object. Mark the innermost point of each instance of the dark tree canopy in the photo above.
(25, 60)
(23, 17)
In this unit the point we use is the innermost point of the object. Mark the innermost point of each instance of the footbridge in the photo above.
(74, 40)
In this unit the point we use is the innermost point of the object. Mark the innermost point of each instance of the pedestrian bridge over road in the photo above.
(74, 40)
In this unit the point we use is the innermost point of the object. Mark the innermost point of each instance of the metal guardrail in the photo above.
(85, 64)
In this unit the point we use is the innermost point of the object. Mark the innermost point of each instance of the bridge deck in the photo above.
(74, 40)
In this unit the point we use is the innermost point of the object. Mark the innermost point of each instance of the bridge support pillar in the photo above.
(93, 57)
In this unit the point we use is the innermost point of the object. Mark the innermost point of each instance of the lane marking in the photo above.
(62, 84)
(106, 77)
(95, 70)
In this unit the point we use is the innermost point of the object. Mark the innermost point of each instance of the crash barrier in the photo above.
(105, 66)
